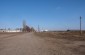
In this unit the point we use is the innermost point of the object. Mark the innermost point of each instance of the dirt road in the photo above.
(29, 44)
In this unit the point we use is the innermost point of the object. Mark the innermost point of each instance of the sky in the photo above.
(48, 14)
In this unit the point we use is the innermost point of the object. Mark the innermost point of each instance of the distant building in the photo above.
(44, 31)
(13, 31)
(25, 28)
(10, 30)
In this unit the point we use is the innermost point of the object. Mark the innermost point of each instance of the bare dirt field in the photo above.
(44, 43)
(69, 41)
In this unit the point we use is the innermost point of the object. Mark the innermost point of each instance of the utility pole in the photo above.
(80, 26)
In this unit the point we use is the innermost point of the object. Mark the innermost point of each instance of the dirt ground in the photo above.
(70, 41)
(44, 43)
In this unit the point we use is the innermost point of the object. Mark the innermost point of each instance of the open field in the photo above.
(43, 43)
(74, 36)
(71, 41)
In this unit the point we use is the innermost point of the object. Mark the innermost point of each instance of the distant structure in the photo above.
(9, 30)
(25, 28)
(44, 30)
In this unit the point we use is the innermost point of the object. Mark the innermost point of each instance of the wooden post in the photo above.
(80, 26)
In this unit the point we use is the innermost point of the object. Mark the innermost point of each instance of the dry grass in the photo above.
(71, 41)
(74, 36)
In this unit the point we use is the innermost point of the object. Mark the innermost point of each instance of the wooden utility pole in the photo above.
(80, 26)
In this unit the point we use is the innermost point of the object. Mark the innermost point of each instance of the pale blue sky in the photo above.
(49, 14)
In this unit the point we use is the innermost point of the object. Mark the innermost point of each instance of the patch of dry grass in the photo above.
(71, 41)
(63, 35)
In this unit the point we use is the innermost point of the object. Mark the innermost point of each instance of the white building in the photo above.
(10, 31)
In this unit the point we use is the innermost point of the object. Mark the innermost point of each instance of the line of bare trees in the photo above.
(28, 29)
